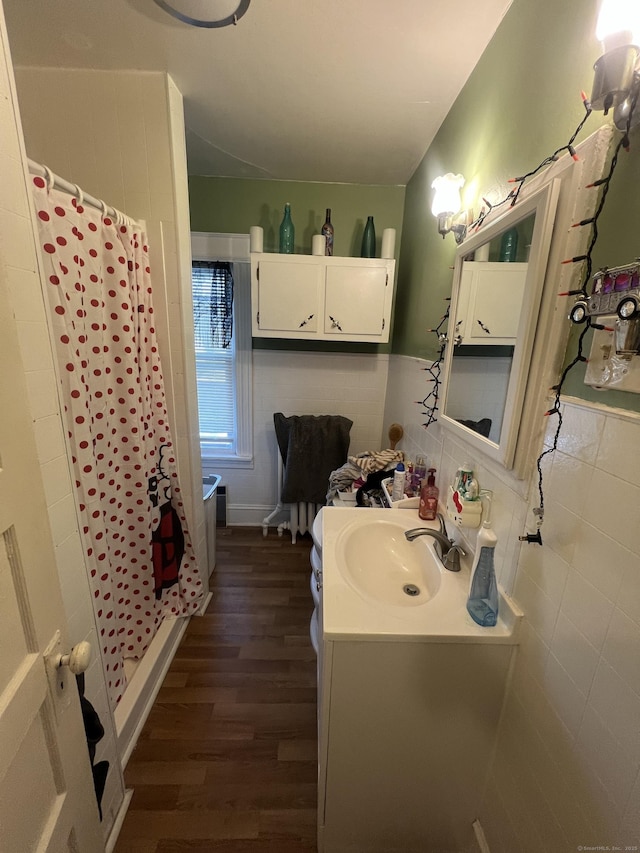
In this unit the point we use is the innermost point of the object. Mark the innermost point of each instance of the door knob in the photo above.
(78, 658)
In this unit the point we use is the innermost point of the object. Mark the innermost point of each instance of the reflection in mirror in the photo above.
(498, 280)
(492, 285)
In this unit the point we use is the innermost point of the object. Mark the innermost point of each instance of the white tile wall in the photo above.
(480, 388)
(300, 383)
(120, 136)
(17, 246)
(567, 766)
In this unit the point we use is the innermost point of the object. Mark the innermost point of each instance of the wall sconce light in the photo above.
(446, 206)
(205, 13)
(616, 82)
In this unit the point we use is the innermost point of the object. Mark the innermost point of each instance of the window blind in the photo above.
(212, 284)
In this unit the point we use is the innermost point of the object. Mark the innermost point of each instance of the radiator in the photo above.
(301, 515)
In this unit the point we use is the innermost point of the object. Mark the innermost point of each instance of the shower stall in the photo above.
(119, 135)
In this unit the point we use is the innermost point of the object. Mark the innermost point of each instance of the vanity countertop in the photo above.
(350, 613)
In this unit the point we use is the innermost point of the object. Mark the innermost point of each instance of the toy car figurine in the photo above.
(616, 290)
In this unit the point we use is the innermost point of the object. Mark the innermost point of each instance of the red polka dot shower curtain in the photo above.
(137, 547)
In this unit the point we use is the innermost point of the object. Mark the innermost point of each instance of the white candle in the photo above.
(256, 239)
(482, 253)
(318, 244)
(388, 243)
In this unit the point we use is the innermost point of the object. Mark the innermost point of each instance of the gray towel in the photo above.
(311, 446)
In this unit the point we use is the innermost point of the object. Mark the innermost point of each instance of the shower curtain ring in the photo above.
(79, 195)
(49, 178)
(103, 205)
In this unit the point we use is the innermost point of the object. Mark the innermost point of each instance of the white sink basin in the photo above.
(379, 563)
(366, 565)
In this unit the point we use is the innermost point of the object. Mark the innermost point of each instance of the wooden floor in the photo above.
(227, 758)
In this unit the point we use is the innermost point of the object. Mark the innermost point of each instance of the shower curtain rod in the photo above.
(59, 183)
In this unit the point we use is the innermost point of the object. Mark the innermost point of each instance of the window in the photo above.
(212, 283)
(221, 287)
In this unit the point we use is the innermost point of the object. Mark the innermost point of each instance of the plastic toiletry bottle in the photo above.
(482, 603)
(472, 490)
(419, 473)
(409, 480)
(428, 508)
(397, 490)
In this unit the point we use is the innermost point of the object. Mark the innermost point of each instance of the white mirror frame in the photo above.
(543, 203)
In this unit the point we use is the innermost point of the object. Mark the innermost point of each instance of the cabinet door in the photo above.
(355, 301)
(495, 297)
(288, 296)
(463, 319)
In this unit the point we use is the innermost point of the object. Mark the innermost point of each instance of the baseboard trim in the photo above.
(112, 840)
(480, 837)
(247, 515)
(205, 604)
(134, 707)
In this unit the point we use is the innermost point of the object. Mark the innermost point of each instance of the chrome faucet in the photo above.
(449, 554)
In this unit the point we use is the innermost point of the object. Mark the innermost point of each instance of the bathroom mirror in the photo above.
(497, 286)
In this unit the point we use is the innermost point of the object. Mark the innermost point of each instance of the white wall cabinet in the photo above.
(489, 303)
(312, 297)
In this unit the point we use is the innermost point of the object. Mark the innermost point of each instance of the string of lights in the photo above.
(587, 261)
(430, 402)
(512, 196)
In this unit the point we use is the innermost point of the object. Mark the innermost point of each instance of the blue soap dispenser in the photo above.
(482, 603)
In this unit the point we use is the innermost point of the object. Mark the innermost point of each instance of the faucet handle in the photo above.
(451, 560)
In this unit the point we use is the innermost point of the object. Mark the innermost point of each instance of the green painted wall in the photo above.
(233, 205)
(520, 104)
(230, 205)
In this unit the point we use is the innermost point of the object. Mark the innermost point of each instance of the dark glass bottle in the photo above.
(369, 240)
(509, 246)
(287, 232)
(327, 230)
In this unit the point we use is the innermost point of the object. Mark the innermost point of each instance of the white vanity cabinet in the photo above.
(489, 302)
(410, 690)
(406, 732)
(312, 297)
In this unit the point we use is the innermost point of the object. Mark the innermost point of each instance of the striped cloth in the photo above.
(376, 460)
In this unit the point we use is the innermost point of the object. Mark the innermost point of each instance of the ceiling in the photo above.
(335, 91)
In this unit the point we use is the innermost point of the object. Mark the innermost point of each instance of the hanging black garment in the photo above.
(94, 733)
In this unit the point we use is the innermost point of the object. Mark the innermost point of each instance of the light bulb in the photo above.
(618, 23)
(447, 195)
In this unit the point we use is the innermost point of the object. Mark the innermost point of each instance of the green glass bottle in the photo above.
(369, 240)
(287, 232)
(509, 246)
